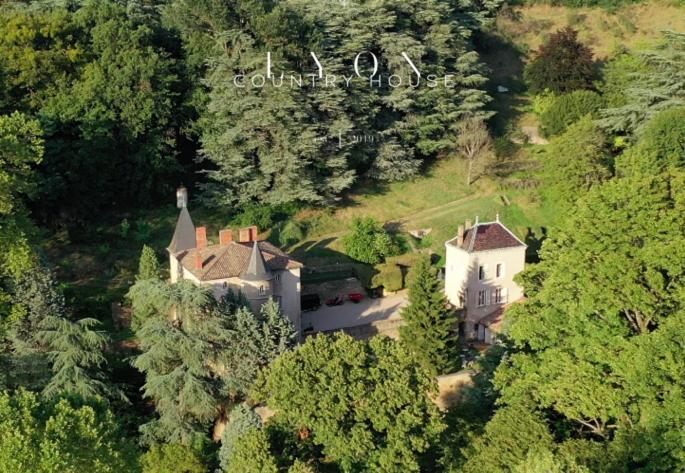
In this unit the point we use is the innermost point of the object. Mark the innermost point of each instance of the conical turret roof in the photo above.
(256, 268)
(184, 235)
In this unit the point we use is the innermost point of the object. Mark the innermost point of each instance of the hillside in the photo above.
(606, 31)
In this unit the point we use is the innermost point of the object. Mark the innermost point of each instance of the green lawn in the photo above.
(440, 200)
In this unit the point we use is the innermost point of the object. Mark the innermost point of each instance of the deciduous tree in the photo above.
(573, 163)
(65, 436)
(368, 241)
(373, 410)
(562, 64)
(474, 143)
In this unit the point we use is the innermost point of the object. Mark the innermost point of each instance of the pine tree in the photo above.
(282, 143)
(429, 330)
(182, 346)
(148, 266)
(241, 420)
(36, 298)
(657, 85)
(277, 332)
(200, 356)
(76, 352)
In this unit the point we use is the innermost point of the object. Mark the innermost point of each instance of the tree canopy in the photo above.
(65, 436)
(562, 64)
(372, 409)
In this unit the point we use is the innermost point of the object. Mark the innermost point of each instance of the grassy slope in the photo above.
(439, 200)
(605, 31)
(520, 30)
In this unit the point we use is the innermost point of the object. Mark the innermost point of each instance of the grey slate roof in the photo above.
(256, 268)
(184, 235)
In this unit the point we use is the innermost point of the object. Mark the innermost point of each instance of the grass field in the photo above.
(605, 31)
(439, 201)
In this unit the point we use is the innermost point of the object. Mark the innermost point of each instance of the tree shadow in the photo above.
(534, 239)
(505, 63)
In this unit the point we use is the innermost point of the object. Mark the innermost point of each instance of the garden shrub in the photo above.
(389, 276)
(567, 109)
(369, 242)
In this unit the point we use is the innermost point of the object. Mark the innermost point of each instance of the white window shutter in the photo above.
(505, 296)
(487, 297)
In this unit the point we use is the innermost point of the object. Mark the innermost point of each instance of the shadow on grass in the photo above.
(505, 63)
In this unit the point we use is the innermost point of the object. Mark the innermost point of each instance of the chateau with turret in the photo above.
(242, 263)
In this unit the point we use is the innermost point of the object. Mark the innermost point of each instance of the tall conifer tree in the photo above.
(429, 330)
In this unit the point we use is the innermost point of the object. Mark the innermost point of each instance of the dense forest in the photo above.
(106, 106)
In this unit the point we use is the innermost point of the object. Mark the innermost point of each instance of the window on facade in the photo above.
(481, 272)
(482, 294)
(498, 295)
(261, 290)
(500, 270)
(225, 284)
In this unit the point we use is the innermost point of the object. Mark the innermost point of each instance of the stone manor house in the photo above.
(242, 263)
(481, 262)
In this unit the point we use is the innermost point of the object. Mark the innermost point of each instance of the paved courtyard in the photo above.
(368, 311)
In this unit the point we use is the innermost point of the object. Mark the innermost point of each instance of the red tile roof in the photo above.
(227, 261)
(488, 236)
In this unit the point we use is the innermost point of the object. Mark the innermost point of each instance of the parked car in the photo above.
(310, 302)
(337, 300)
(355, 297)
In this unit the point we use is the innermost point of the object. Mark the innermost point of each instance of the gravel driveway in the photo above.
(351, 315)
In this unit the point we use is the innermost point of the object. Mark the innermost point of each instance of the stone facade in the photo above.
(250, 266)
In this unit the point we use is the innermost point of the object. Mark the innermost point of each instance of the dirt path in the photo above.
(403, 222)
(433, 212)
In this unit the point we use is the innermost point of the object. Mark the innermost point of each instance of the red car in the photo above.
(355, 297)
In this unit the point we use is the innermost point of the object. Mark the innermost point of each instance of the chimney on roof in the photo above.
(225, 237)
(248, 234)
(460, 235)
(244, 235)
(198, 261)
(201, 237)
(181, 197)
(467, 225)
